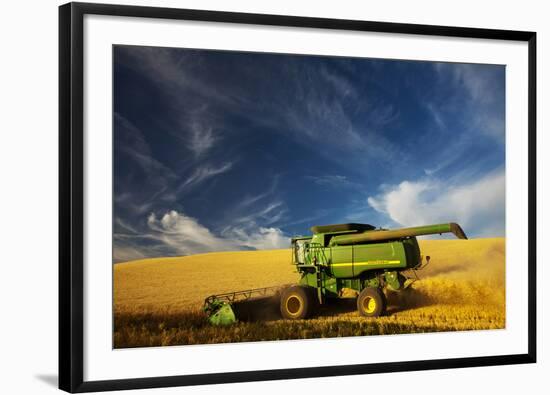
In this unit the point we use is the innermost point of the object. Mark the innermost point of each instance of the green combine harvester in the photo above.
(338, 261)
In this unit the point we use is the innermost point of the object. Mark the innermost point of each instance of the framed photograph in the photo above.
(250, 197)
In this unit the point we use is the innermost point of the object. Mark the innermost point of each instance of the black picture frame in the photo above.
(71, 204)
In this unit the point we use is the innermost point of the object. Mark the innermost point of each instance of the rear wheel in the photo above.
(371, 302)
(297, 302)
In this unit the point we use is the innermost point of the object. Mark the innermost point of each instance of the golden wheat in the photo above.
(184, 282)
(157, 301)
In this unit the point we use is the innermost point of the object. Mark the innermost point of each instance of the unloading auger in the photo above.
(339, 260)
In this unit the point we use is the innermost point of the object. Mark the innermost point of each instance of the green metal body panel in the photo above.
(352, 261)
(355, 256)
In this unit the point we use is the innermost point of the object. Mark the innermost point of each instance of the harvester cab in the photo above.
(347, 260)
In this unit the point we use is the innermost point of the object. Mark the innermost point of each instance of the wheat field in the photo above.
(158, 301)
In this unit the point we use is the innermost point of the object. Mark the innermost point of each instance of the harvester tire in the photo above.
(297, 302)
(371, 302)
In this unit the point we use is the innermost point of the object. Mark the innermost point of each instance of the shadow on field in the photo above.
(336, 307)
(396, 303)
(267, 309)
(257, 309)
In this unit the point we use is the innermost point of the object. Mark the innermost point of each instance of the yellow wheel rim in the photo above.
(369, 305)
(294, 305)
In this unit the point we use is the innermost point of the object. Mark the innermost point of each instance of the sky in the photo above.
(222, 150)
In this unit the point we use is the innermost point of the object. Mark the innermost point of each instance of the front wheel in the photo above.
(371, 302)
(296, 302)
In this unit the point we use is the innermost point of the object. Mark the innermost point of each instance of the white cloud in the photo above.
(150, 165)
(176, 233)
(483, 89)
(184, 235)
(310, 113)
(478, 206)
(259, 239)
(119, 222)
(122, 253)
(437, 116)
(339, 82)
(268, 215)
(202, 139)
(132, 142)
(176, 71)
(251, 199)
(336, 181)
(259, 209)
(202, 173)
(476, 81)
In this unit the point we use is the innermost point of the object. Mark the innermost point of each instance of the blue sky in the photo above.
(218, 150)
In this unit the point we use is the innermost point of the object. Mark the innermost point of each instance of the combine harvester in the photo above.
(339, 260)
